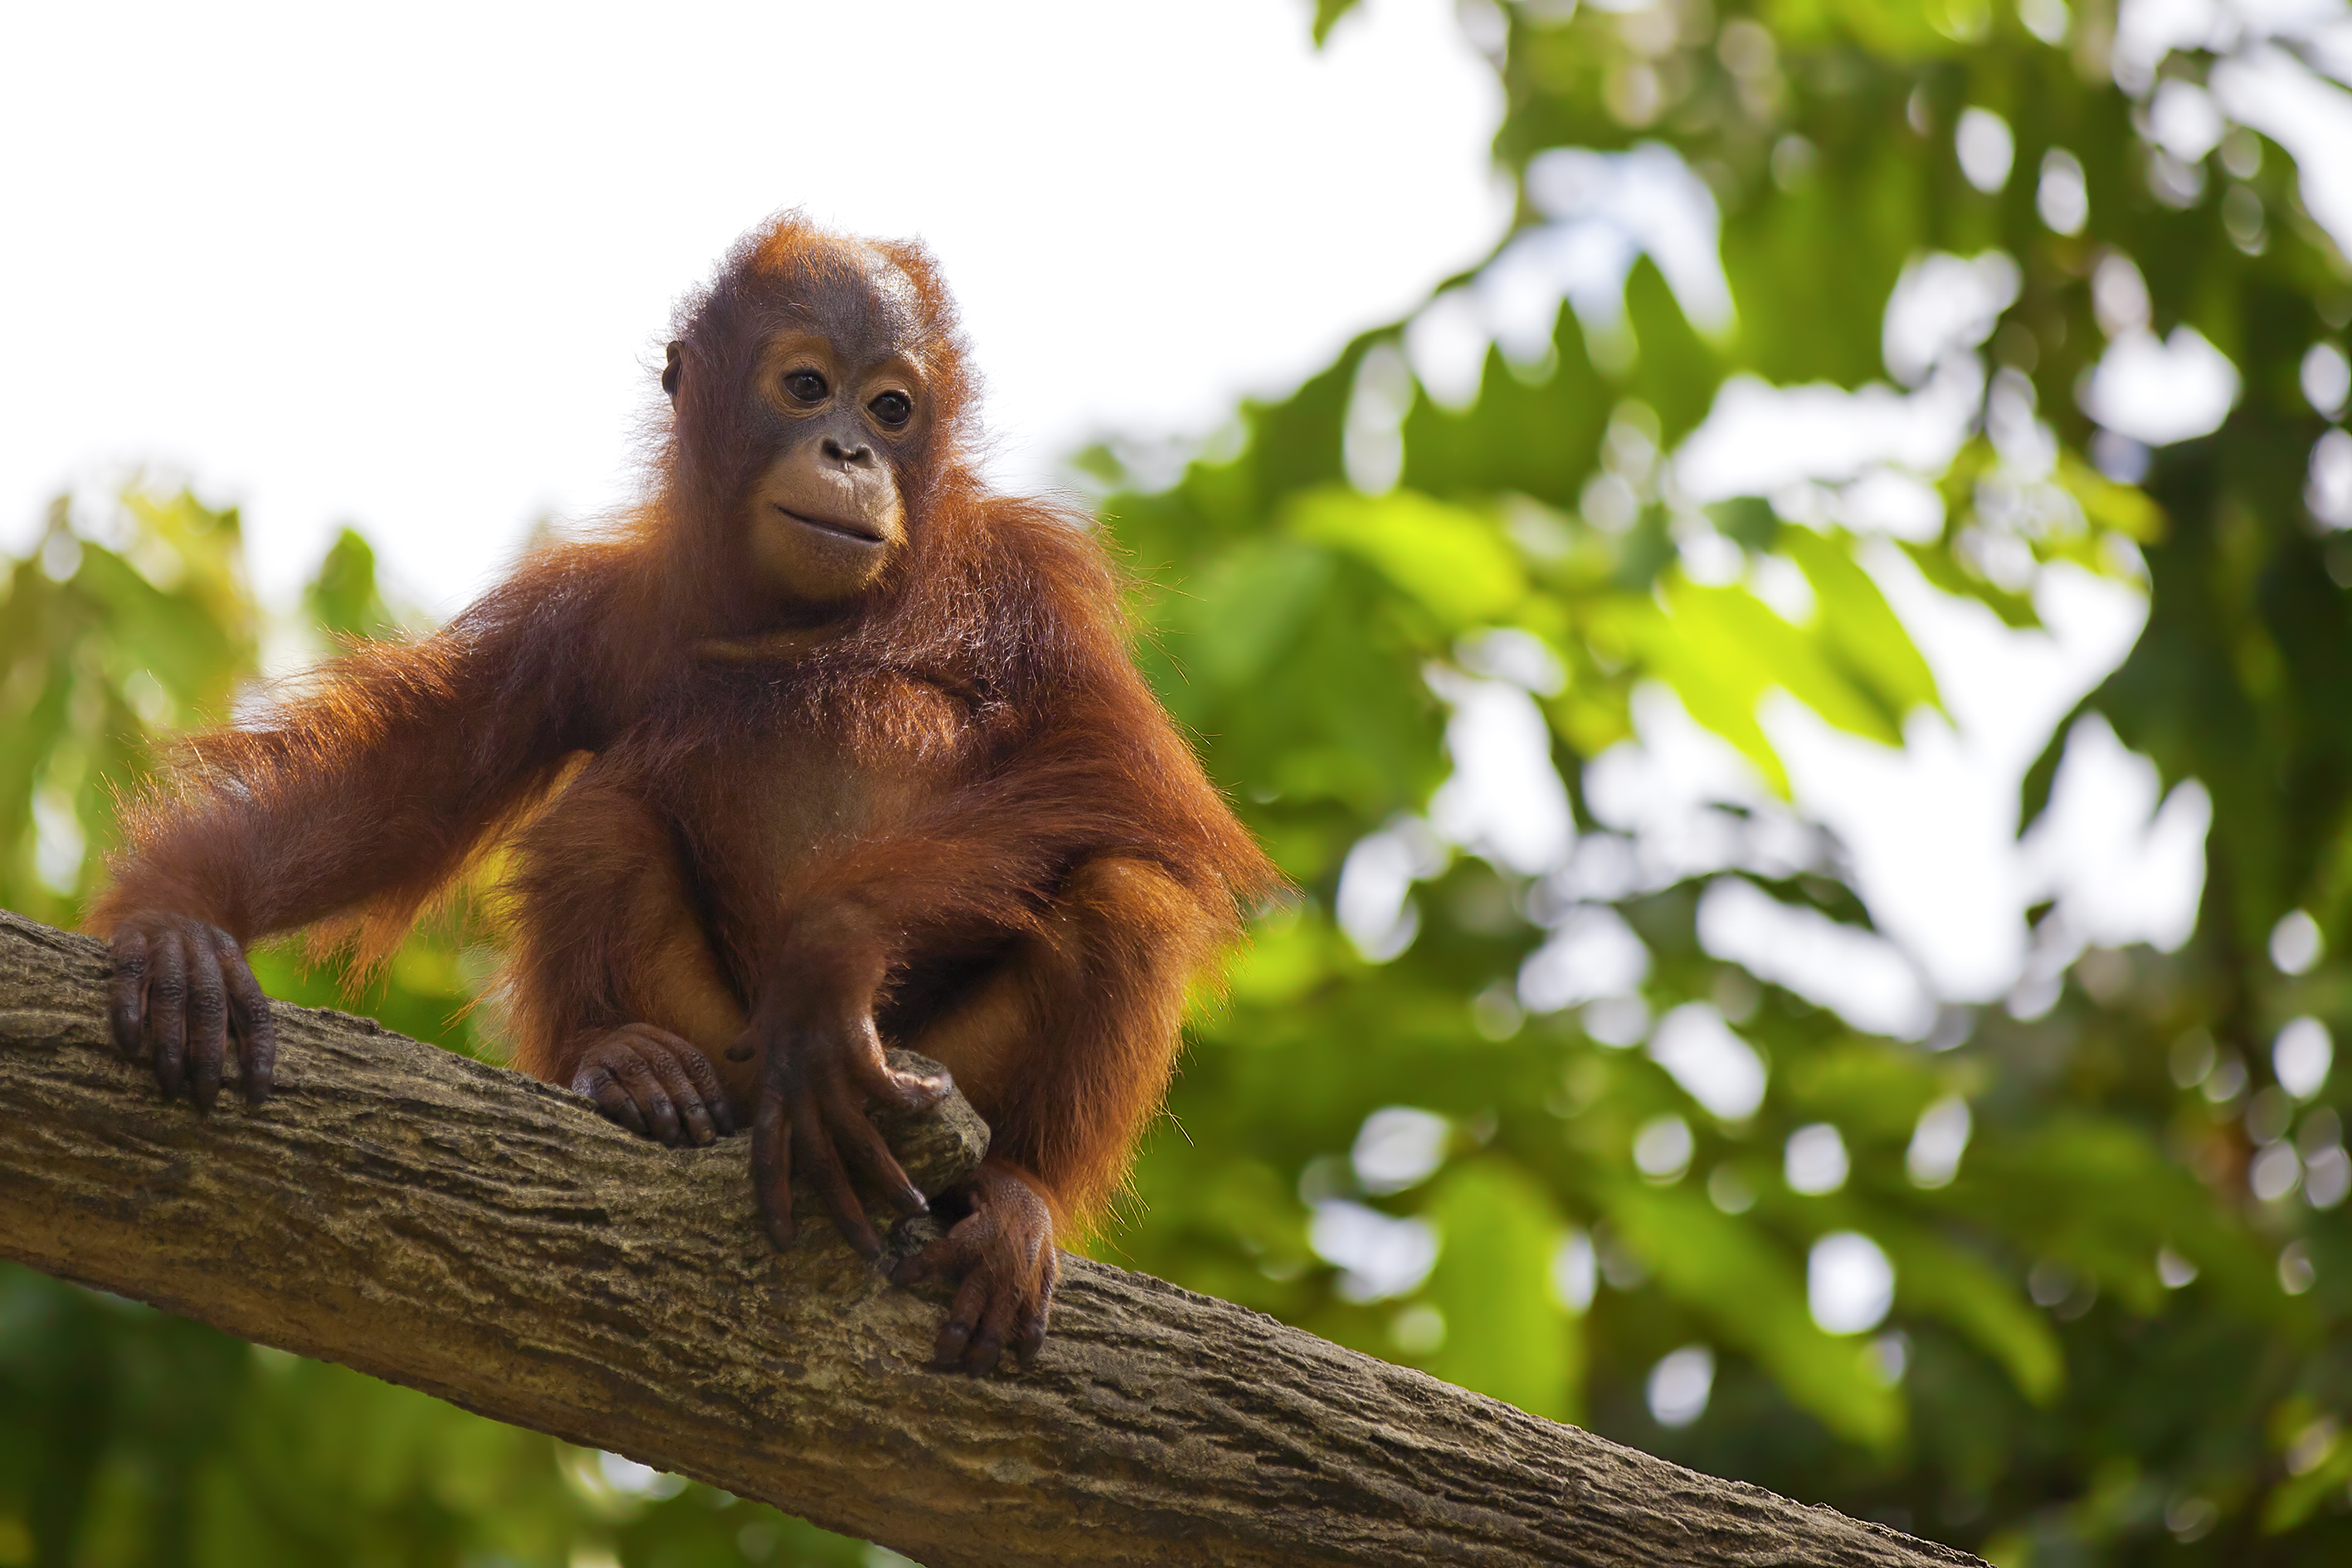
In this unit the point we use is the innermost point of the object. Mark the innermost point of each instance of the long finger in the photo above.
(963, 1317)
(167, 1010)
(1029, 1330)
(706, 1083)
(771, 1161)
(127, 993)
(595, 1080)
(987, 1347)
(1029, 1326)
(636, 1072)
(249, 1014)
(207, 1024)
(664, 1054)
(866, 1150)
(821, 1163)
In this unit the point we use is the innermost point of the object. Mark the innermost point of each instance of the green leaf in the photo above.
(1507, 1332)
(1723, 650)
(343, 598)
(1244, 609)
(1326, 16)
(1456, 563)
(1752, 1293)
(1869, 645)
(2097, 1193)
(2125, 509)
(1934, 1278)
(1899, 29)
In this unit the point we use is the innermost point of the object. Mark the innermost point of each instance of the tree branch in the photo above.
(484, 1237)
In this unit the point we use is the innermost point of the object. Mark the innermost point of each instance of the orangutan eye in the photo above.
(806, 385)
(893, 408)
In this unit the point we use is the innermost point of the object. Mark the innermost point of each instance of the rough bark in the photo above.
(484, 1237)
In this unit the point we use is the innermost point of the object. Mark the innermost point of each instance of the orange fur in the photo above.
(961, 792)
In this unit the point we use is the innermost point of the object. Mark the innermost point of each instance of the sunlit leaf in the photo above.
(1456, 563)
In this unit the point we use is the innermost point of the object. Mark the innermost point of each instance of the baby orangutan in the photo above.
(825, 747)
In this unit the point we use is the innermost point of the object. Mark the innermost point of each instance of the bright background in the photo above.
(413, 268)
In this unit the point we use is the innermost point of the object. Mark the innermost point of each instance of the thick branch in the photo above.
(469, 1232)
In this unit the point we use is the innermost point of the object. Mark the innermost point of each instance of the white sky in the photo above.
(408, 267)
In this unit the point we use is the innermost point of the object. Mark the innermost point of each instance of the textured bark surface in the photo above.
(469, 1232)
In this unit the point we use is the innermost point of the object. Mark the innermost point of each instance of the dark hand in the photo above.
(1003, 1252)
(655, 1085)
(818, 1079)
(181, 988)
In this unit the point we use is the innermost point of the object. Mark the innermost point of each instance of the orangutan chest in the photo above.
(808, 793)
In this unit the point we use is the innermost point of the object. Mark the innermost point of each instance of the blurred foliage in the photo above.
(2102, 1346)
(2056, 1401)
